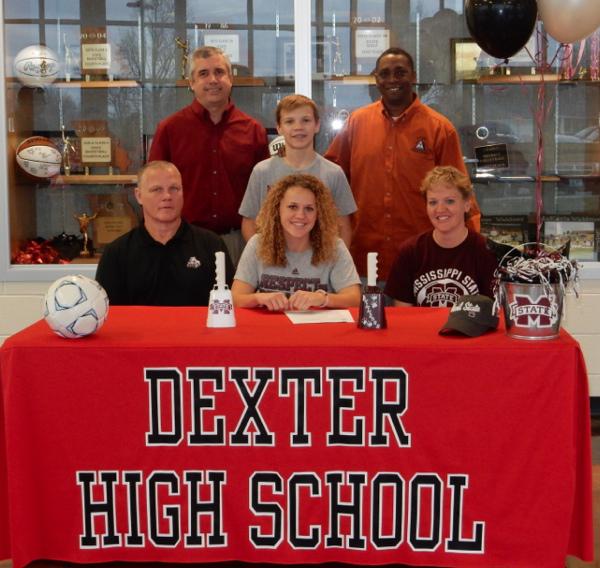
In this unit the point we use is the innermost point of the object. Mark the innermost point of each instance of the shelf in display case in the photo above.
(95, 179)
(120, 84)
(353, 79)
(237, 80)
(487, 177)
(517, 79)
(86, 260)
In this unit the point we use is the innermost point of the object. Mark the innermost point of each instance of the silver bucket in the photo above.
(532, 311)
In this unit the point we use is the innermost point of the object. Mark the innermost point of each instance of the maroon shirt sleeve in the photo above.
(159, 150)
(399, 284)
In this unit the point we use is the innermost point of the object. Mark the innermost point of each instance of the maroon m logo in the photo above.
(526, 312)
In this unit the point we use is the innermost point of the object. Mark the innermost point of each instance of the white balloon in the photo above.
(568, 21)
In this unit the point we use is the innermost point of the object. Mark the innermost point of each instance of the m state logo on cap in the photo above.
(527, 312)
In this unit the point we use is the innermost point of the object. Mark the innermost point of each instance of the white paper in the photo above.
(320, 316)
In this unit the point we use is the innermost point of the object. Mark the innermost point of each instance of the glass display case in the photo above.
(541, 108)
(87, 81)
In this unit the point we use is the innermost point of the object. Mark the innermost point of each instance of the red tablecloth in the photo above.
(159, 439)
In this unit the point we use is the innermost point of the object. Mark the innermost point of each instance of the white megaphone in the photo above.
(220, 301)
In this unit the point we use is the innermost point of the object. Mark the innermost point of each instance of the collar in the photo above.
(181, 235)
(408, 111)
(203, 114)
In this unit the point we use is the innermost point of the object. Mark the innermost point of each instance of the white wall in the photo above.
(21, 305)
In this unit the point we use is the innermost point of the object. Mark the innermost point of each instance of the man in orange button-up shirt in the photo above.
(385, 149)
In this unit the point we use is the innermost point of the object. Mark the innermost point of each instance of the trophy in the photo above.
(183, 45)
(68, 60)
(66, 151)
(371, 314)
(337, 61)
(84, 222)
(220, 302)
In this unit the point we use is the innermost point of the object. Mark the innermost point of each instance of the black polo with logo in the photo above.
(136, 270)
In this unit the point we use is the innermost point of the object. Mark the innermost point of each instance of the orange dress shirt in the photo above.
(385, 161)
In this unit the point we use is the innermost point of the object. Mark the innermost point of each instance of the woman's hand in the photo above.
(273, 301)
(303, 300)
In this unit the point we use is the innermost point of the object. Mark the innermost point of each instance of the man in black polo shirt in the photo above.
(165, 261)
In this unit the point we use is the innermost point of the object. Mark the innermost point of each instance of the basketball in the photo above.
(39, 157)
(36, 65)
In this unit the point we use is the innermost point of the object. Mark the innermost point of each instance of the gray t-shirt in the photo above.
(270, 171)
(299, 274)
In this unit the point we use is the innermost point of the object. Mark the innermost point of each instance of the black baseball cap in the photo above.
(472, 316)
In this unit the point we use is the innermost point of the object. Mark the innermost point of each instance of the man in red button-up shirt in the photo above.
(214, 145)
(385, 149)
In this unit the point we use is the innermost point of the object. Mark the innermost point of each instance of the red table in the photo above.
(158, 439)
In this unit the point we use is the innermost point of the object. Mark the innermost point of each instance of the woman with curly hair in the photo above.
(296, 261)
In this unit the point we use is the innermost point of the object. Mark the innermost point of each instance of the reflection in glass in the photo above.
(124, 51)
(160, 53)
(370, 11)
(17, 37)
(23, 9)
(69, 35)
(125, 120)
(269, 52)
(423, 9)
(268, 11)
(209, 12)
(121, 10)
(62, 9)
(341, 9)
(233, 42)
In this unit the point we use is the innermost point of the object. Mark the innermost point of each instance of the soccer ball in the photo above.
(75, 306)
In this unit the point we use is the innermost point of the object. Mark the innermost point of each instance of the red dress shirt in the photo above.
(215, 161)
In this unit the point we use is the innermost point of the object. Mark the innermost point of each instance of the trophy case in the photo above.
(87, 81)
(85, 84)
(528, 122)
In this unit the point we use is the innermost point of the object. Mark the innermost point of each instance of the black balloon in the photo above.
(501, 27)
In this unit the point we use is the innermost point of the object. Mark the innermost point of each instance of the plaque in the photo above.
(95, 150)
(95, 51)
(95, 145)
(371, 43)
(491, 157)
(115, 217)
